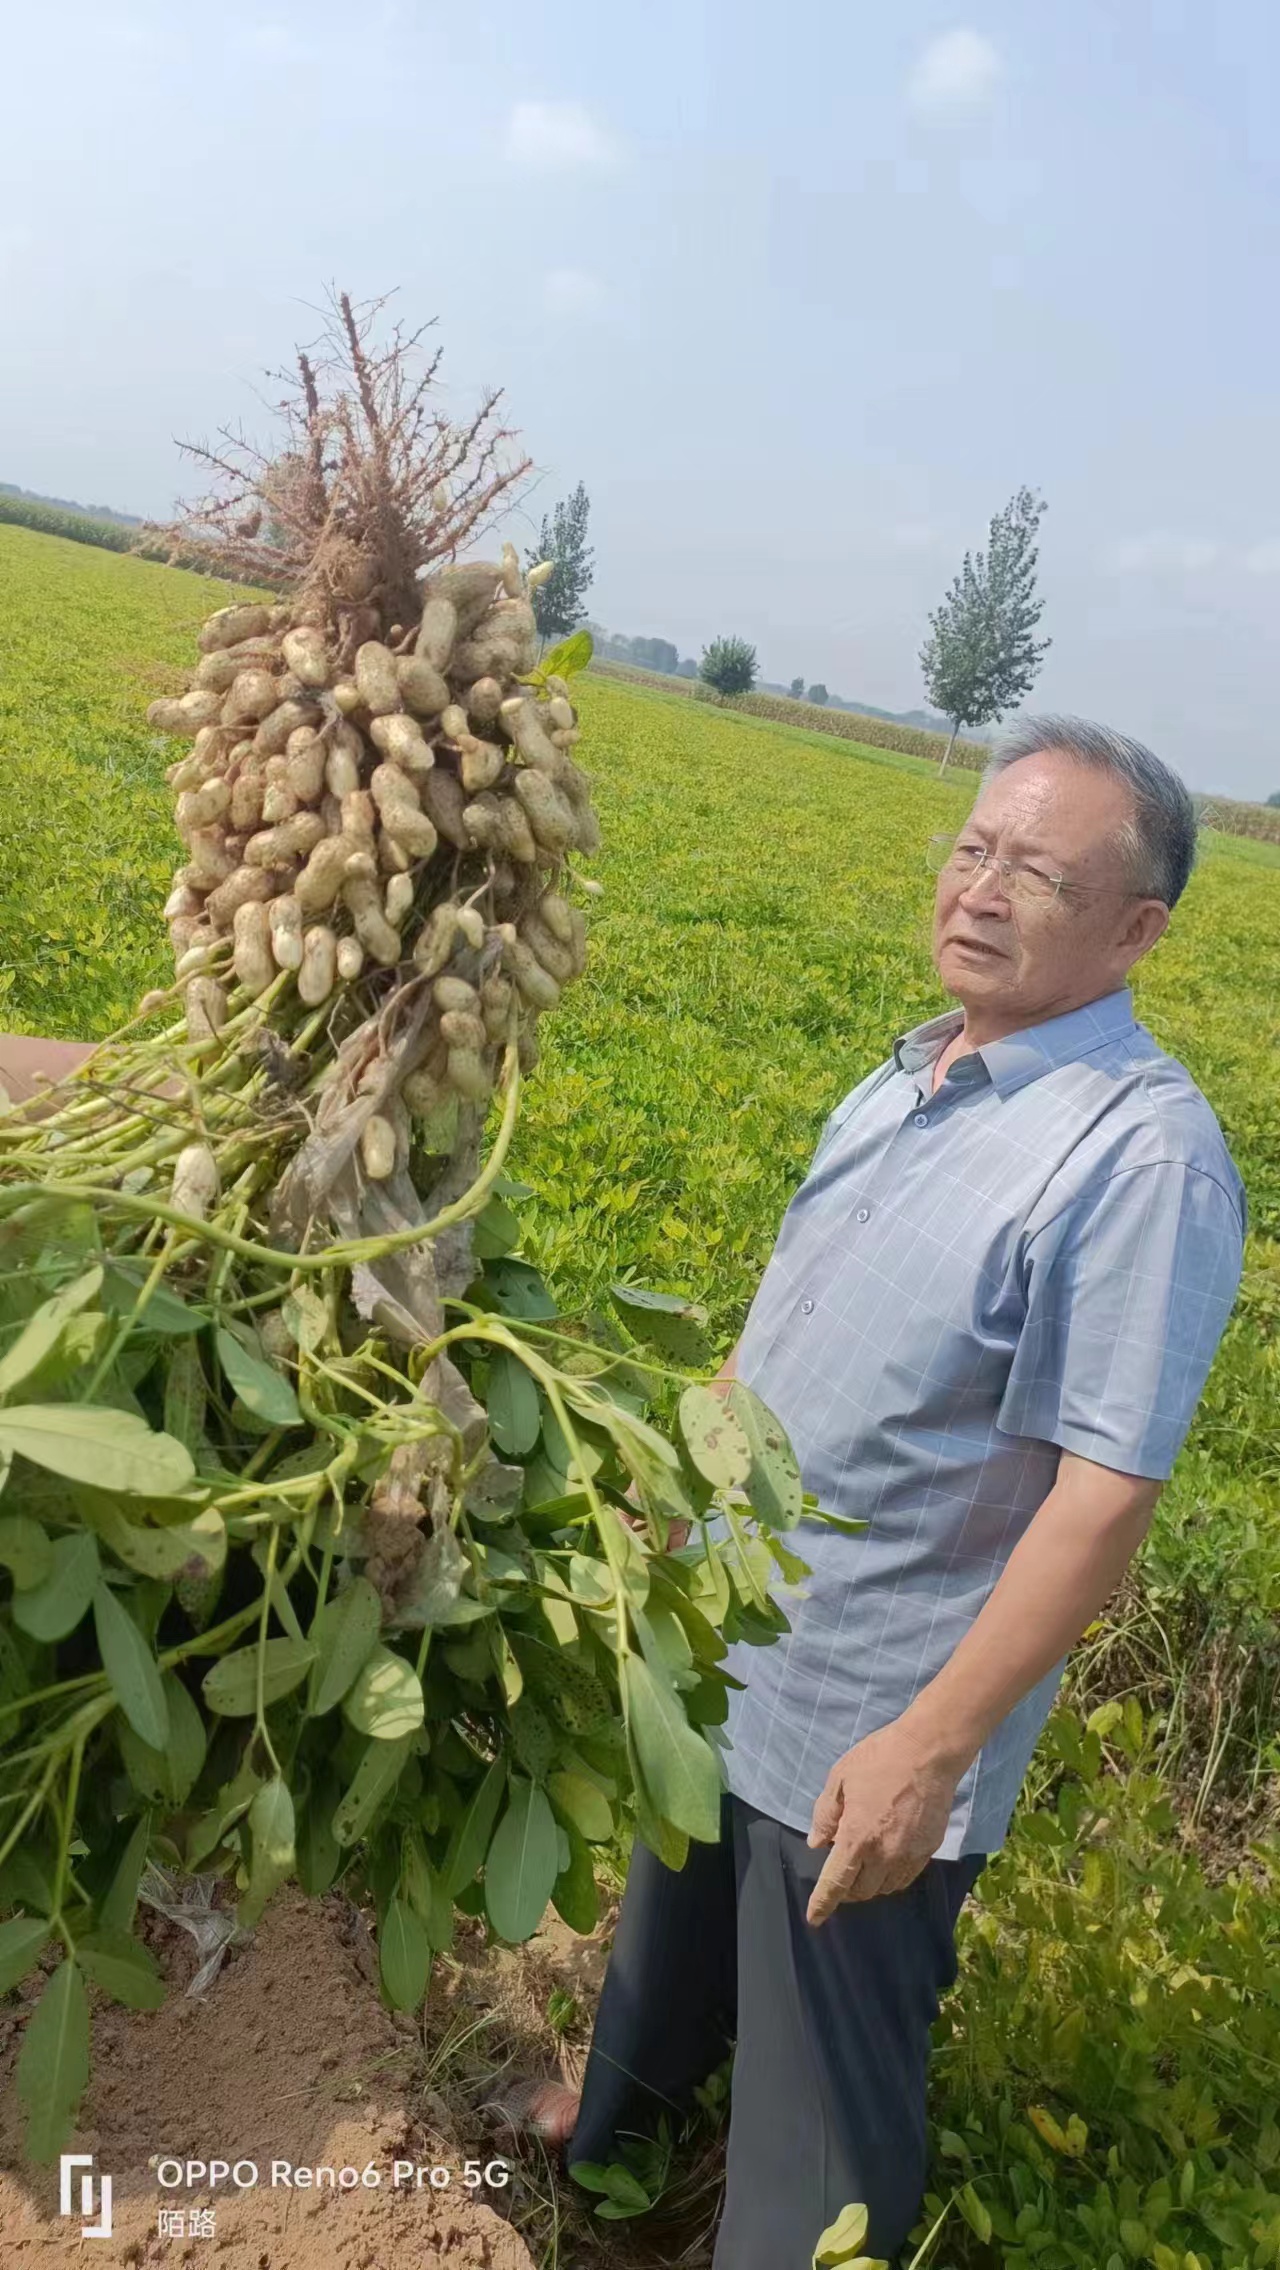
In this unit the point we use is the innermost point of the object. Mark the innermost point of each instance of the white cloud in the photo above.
(556, 136)
(1264, 558)
(571, 291)
(957, 71)
(1160, 553)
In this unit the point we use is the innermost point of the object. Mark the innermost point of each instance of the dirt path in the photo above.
(290, 2058)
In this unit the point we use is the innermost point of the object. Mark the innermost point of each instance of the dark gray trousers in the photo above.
(831, 2029)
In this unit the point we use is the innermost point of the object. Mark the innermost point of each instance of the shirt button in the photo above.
(864, 1213)
(921, 1119)
(806, 1308)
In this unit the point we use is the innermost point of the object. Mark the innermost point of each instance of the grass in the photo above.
(87, 638)
(762, 937)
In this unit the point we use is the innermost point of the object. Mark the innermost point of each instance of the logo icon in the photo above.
(93, 2193)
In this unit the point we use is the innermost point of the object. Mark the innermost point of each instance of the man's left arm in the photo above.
(885, 1806)
(1128, 1292)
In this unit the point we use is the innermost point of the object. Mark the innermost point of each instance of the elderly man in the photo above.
(985, 1325)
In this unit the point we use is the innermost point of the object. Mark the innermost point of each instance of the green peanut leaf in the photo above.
(582, 1805)
(570, 656)
(319, 1852)
(53, 2063)
(404, 1956)
(188, 1548)
(495, 1230)
(167, 1776)
(54, 1607)
(385, 1697)
(470, 1840)
(344, 1632)
(515, 1409)
(306, 1316)
(41, 1332)
(117, 1908)
(123, 1968)
(25, 1550)
(667, 1322)
(21, 1940)
(575, 1895)
(271, 1832)
(375, 1777)
(678, 1767)
(714, 1438)
(111, 1450)
(772, 1483)
(523, 1863)
(519, 1289)
(131, 1668)
(165, 1314)
(841, 2242)
(186, 1397)
(231, 1686)
(262, 1389)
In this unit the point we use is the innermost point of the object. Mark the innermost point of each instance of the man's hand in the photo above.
(884, 1813)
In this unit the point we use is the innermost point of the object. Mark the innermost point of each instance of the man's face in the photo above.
(1002, 953)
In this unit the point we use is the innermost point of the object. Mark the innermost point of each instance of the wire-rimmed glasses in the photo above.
(1019, 878)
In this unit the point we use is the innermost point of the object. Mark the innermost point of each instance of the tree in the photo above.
(729, 664)
(688, 667)
(797, 689)
(819, 695)
(980, 658)
(558, 603)
(655, 654)
(1274, 798)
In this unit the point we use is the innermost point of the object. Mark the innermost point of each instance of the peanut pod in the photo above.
(401, 812)
(196, 1182)
(251, 696)
(279, 723)
(376, 680)
(230, 624)
(378, 1148)
(206, 1006)
(307, 656)
(434, 943)
(294, 839)
(243, 887)
(284, 924)
(364, 902)
(444, 803)
(200, 807)
(422, 687)
(402, 740)
(318, 969)
(468, 1075)
(534, 984)
(252, 959)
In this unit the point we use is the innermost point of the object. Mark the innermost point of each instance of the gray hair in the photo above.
(1158, 845)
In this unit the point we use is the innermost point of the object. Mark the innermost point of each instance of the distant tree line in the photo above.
(68, 504)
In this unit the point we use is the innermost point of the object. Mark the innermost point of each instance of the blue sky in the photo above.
(802, 294)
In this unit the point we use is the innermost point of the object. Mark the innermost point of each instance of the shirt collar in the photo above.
(1022, 1056)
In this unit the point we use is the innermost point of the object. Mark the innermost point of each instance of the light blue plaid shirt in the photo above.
(1040, 1257)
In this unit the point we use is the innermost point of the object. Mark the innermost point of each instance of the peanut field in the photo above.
(1102, 2089)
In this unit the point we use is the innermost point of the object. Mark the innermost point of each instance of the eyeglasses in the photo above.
(1018, 878)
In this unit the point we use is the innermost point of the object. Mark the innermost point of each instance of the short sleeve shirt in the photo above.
(1042, 1256)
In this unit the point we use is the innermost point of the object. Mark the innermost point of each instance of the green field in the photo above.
(762, 937)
